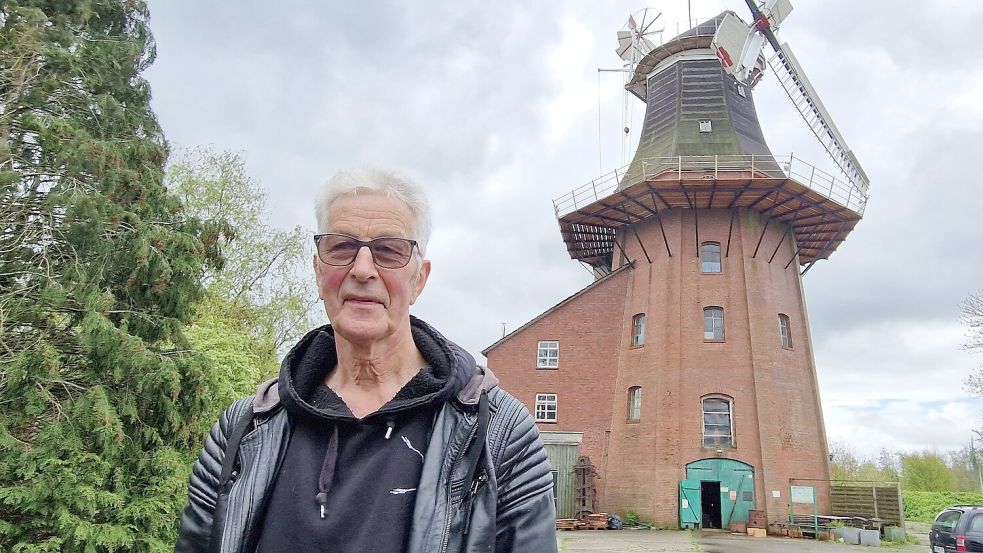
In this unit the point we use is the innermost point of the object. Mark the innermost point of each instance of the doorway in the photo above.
(710, 501)
(731, 492)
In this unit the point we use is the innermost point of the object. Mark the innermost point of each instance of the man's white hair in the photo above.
(349, 182)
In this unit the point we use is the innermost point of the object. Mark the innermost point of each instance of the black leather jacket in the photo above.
(510, 511)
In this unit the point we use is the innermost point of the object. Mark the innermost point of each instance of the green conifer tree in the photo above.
(100, 268)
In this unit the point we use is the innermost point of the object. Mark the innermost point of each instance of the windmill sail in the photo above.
(793, 79)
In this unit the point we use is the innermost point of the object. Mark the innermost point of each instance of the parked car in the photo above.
(958, 528)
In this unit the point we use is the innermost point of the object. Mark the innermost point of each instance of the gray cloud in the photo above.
(494, 107)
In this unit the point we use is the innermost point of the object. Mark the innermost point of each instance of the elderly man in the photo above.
(380, 435)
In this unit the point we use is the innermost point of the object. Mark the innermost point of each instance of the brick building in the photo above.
(685, 371)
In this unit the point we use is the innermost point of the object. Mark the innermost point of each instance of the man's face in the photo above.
(364, 302)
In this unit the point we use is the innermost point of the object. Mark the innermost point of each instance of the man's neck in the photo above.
(368, 376)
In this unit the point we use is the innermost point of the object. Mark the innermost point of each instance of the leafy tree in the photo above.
(266, 282)
(238, 360)
(962, 464)
(100, 399)
(847, 466)
(926, 471)
(972, 318)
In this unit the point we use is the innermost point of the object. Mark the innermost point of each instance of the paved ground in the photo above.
(725, 542)
(627, 541)
(680, 541)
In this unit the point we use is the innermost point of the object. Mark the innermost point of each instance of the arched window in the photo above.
(718, 422)
(785, 330)
(635, 403)
(713, 323)
(710, 257)
(638, 330)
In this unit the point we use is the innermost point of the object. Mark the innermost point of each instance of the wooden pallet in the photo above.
(597, 521)
(569, 524)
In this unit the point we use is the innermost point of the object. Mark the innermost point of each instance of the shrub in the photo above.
(924, 506)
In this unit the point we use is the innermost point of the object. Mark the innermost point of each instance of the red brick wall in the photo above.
(777, 420)
(777, 417)
(588, 328)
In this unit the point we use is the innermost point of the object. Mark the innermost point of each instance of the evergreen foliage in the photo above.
(100, 399)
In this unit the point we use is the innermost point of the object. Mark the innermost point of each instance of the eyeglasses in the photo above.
(340, 250)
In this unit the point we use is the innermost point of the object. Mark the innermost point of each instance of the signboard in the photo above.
(803, 494)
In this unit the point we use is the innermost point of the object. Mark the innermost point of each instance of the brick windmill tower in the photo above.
(685, 371)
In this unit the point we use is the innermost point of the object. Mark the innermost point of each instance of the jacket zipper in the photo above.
(457, 459)
(481, 479)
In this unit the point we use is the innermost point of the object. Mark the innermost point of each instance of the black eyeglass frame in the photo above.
(364, 244)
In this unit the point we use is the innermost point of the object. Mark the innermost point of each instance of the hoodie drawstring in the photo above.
(326, 479)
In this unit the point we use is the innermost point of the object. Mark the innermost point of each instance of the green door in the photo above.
(736, 486)
(562, 458)
(690, 512)
(742, 481)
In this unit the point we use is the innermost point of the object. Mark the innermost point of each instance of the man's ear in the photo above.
(317, 274)
(420, 280)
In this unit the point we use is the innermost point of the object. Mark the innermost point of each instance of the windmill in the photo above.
(633, 45)
(633, 42)
(738, 47)
(698, 247)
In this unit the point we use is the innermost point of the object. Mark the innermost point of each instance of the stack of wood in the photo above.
(569, 524)
(597, 521)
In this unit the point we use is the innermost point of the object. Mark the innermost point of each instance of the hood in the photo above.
(300, 388)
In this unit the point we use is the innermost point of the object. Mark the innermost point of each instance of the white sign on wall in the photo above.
(803, 494)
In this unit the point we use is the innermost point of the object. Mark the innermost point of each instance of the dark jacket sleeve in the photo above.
(526, 517)
(198, 515)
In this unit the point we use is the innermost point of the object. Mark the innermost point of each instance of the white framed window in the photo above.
(785, 330)
(718, 421)
(545, 407)
(548, 354)
(638, 330)
(710, 257)
(713, 323)
(635, 403)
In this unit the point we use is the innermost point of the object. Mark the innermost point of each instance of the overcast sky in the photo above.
(498, 108)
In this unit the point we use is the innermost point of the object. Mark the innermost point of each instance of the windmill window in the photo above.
(635, 403)
(785, 330)
(710, 257)
(706, 126)
(741, 91)
(548, 354)
(713, 323)
(638, 330)
(718, 422)
(545, 407)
